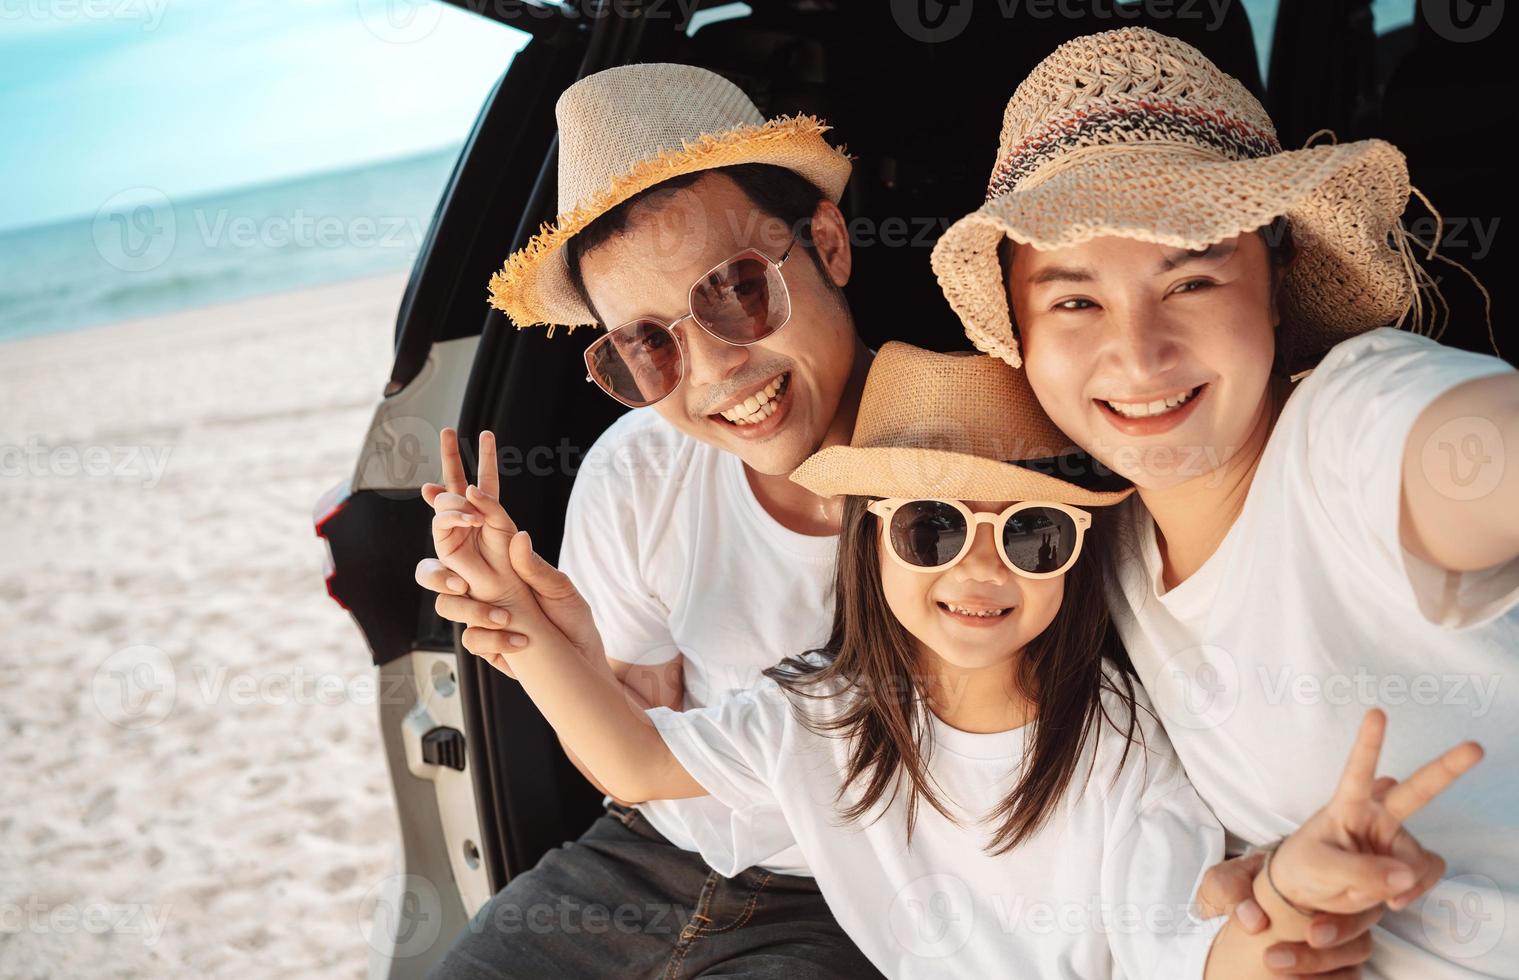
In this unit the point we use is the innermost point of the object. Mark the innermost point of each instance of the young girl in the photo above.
(969, 770)
(1325, 516)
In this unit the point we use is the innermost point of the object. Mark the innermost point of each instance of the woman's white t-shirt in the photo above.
(1310, 612)
(1104, 889)
(667, 542)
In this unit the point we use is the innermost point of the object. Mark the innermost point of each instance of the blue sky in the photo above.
(100, 97)
(188, 96)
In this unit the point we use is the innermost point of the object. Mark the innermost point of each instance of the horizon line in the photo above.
(456, 146)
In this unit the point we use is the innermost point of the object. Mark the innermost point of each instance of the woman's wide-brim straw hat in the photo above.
(1133, 134)
(624, 130)
(954, 426)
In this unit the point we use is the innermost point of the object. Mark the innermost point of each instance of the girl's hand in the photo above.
(1332, 945)
(471, 530)
(1355, 853)
(481, 552)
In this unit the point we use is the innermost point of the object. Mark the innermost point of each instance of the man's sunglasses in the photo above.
(1036, 539)
(740, 302)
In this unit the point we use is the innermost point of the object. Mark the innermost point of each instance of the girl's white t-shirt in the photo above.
(1104, 889)
(665, 539)
(1310, 612)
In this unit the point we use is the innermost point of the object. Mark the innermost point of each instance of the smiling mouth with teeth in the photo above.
(761, 405)
(978, 613)
(1144, 410)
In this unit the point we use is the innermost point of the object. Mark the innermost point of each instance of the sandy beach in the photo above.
(194, 783)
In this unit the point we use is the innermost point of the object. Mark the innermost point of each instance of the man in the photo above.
(710, 242)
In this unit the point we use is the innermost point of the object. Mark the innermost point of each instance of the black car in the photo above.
(916, 88)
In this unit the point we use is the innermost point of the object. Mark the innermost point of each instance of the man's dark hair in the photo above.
(776, 191)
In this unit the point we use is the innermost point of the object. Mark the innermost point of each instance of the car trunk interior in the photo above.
(922, 119)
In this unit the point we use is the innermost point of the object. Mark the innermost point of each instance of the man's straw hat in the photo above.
(1134, 134)
(623, 130)
(953, 426)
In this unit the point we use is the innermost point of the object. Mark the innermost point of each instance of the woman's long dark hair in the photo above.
(870, 663)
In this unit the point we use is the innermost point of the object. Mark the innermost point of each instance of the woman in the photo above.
(1324, 521)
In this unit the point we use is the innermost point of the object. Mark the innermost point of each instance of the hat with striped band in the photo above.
(1133, 134)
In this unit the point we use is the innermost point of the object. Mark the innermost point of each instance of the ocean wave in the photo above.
(60, 279)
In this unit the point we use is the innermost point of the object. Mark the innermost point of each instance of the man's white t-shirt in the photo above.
(1103, 889)
(1310, 612)
(667, 542)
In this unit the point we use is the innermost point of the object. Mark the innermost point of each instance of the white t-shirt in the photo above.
(1104, 889)
(667, 542)
(1310, 612)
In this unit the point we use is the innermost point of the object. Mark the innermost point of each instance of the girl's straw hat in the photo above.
(953, 426)
(1137, 135)
(623, 130)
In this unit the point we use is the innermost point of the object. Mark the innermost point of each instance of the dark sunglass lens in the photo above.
(1040, 539)
(927, 533)
(743, 302)
(637, 362)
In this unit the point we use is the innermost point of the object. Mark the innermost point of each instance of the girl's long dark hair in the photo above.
(870, 664)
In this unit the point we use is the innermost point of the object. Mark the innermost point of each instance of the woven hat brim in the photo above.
(890, 471)
(1343, 201)
(533, 287)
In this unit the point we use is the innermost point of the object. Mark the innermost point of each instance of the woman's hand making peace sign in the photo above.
(1355, 853)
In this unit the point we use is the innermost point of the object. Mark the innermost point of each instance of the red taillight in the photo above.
(328, 506)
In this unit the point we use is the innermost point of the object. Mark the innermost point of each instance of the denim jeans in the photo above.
(623, 902)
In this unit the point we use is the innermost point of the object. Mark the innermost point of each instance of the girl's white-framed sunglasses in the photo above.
(1037, 539)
